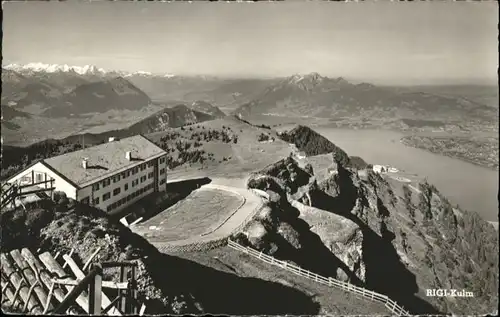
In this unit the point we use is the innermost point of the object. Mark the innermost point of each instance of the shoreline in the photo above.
(496, 169)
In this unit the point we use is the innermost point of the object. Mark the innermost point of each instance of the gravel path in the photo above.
(234, 222)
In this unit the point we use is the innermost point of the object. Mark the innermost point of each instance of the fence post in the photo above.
(133, 286)
(95, 292)
(123, 293)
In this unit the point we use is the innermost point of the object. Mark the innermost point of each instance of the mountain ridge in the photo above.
(313, 95)
(38, 67)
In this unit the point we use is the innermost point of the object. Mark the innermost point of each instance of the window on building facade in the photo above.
(95, 187)
(26, 179)
(116, 191)
(106, 196)
(162, 171)
(106, 182)
(125, 187)
(85, 200)
(96, 201)
(151, 175)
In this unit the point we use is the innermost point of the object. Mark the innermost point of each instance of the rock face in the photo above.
(385, 237)
(340, 235)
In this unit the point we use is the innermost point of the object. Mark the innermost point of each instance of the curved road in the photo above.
(252, 203)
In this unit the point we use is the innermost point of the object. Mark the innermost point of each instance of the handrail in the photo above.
(389, 303)
(96, 271)
(35, 184)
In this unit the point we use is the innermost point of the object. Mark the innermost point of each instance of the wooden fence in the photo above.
(10, 191)
(40, 285)
(329, 281)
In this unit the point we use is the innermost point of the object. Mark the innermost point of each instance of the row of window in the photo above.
(129, 197)
(125, 174)
(118, 190)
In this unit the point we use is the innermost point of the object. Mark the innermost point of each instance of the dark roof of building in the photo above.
(104, 160)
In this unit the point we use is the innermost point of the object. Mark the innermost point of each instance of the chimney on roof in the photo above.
(128, 155)
(84, 163)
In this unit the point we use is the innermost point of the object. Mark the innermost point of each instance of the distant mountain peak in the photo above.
(314, 78)
(53, 68)
(81, 70)
(139, 73)
(305, 82)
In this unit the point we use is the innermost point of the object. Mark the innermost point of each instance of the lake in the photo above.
(470, 186)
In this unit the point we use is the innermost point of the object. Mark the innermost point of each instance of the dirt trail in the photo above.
(252, 203)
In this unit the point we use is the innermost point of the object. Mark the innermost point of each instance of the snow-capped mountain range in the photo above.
(81, 70)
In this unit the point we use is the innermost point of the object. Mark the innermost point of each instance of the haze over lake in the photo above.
(472, 187)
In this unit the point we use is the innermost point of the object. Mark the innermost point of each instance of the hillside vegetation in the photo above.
(313, 143)
(380, 235)
(15, 158)
(166, 284)
(226, 147)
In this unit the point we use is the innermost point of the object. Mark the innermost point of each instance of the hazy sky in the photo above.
(384, 42)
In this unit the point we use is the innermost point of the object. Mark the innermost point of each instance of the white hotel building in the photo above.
(109, 176)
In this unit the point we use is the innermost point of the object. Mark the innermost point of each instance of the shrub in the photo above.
(263, 137)
(309, 169)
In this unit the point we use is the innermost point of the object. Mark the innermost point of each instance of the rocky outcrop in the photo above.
(340, 235)
(380, 236)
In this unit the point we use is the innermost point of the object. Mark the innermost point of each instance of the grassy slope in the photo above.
(244, 156)
(329, 300)
(167, 283)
